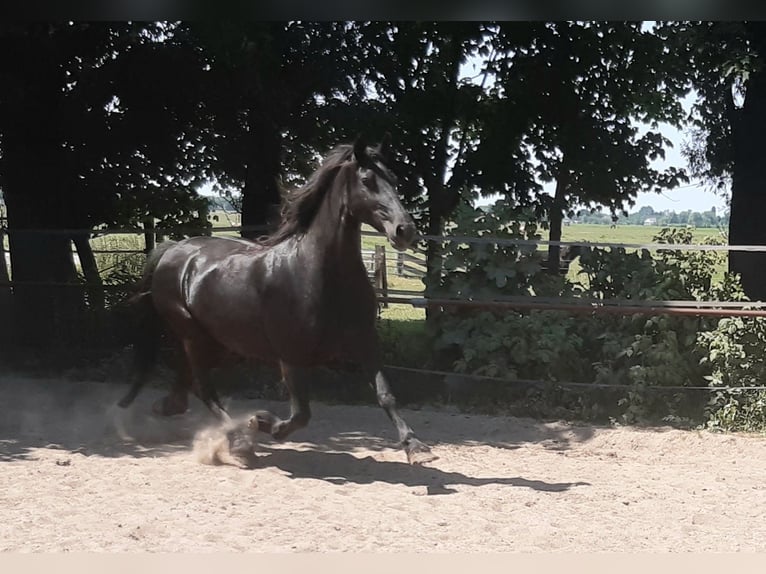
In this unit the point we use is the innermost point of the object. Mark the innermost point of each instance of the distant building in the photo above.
(650, 221)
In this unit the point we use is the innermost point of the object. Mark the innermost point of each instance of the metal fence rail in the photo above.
(412, 264)
(620, 307)
(538, 382)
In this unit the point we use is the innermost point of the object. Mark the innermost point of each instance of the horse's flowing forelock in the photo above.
(300, 206)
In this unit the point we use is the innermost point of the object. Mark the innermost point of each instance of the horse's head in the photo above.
(373, 199)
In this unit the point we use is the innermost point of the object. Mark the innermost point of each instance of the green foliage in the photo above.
(734, 354)
(506, 344)
(485, 269)
(418, 93)
(653, 350)
(404, 341)
(717, 59)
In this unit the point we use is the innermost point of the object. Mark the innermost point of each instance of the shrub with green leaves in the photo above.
(644, 352)
(734, 354)
(508, 343)
(483, 270)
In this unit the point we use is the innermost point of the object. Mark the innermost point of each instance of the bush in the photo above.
(734, 354)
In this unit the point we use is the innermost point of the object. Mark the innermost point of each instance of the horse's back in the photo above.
(221, 245)
(207, 285)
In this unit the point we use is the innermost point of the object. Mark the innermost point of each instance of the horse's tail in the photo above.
(148, 328)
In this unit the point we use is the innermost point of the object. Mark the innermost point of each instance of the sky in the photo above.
(691, 196)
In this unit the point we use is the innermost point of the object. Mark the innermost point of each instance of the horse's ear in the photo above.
(385, 145)
(360, 151)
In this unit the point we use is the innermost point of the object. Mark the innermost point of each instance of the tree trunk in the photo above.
(748, 189)
(555, 218)
(433, 261)
(95, 289)
(441, 203)
(37, 175)
(44, 301)
(260, 196)
(41, 256)
(5, 277)
(442, 198)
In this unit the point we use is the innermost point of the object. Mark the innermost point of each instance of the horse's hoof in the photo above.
(166, 408)
(280, 431)
(242, 448)
(262, 421)
(418, 453)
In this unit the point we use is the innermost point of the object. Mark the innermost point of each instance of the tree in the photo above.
(267, 93)
(417, 92)
(33, 168)
(725, 65)
(577, 92)
(94, 121)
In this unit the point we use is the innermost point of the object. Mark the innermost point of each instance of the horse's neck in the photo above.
(335, 233)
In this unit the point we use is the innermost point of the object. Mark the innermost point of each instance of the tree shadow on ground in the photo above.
(83, 418)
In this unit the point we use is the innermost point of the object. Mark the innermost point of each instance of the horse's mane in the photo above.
(301, 205)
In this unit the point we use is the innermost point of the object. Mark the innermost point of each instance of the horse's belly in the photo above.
(239, 331)
(313, 344)
(266, 340)
(294, 338)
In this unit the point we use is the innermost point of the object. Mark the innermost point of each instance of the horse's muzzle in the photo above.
(404, 235)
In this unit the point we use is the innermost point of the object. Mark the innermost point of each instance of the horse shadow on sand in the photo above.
(342, 468)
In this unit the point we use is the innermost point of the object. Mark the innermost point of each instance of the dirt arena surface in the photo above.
(75, 476)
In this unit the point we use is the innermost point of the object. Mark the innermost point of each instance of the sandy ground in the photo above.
(69, 481)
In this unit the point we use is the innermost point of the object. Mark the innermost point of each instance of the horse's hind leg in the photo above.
(417, 452)
(176, 402)
(197, 356)
(296, 379)
(202, 354)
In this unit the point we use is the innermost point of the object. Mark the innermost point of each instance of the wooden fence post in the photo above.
(6, 305)
(5, 276)
(381, 278)
(149, 238)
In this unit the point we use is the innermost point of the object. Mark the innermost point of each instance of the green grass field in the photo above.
(630, 234)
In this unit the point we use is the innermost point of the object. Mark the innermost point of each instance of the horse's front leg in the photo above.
(296, 379)
(417, 452)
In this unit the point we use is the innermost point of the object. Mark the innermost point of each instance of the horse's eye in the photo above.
(366, 180)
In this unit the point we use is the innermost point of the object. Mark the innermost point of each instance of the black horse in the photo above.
(300, 297)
